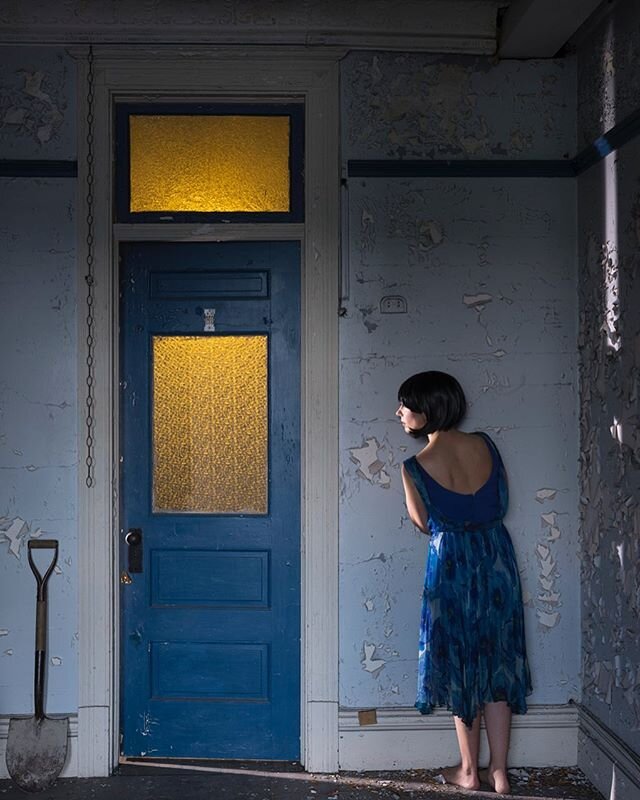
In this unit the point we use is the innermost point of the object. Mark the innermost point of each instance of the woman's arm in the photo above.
(415, 506)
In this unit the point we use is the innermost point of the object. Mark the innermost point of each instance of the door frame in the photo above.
(211, 74)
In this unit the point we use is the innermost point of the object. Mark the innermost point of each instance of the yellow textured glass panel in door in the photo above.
(209, 163)
(210, 424)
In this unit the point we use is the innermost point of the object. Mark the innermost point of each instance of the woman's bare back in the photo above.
(460, 462)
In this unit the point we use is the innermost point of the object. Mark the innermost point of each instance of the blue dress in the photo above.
(472, 644)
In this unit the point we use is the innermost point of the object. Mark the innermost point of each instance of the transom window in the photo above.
(181, 163)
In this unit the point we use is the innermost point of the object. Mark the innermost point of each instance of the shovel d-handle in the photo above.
(41, 618)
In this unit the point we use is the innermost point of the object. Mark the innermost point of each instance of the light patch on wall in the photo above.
(367, 231)
(548, 620)
(545, 494)
(31, 111)
(548, 598)
(420, 235)
(4, 631)
(611, 285)
(366, 312)
(497, 383)
(371, 467)
(550, 521)
(617, 431)
(477, 301)
(56, 661)
(431, 231)
(520, 141)
(16, 531)
(369, 663)
(483, 252)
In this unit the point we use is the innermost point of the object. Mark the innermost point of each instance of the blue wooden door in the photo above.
(210, 500)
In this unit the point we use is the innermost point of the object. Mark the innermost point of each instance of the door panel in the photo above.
(210, 475)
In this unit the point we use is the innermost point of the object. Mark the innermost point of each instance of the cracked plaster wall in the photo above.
(485, 270)
(609, 344)
(38, 381)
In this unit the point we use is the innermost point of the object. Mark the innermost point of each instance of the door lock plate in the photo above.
(134, 549)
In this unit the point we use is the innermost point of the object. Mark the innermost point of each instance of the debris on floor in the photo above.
(253, 781)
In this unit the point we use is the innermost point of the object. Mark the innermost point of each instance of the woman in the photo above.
(472, 656)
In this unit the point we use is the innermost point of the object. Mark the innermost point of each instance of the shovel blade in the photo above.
(36, 751)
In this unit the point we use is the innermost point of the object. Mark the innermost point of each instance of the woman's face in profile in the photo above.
(410, 420)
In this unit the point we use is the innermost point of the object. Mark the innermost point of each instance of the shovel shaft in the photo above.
(38, 684)
(41, 620)
(40, 659)
(41, 626)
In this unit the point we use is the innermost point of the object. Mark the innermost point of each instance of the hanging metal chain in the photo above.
(89, 279)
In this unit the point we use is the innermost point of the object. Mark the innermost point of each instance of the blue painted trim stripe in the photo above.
(497, 168)
(33, 168)
(626, 130)
(604, 145)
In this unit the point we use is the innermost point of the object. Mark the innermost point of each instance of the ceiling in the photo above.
(527, 29)
(540, 28)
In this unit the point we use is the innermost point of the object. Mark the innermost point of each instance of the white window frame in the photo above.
(211, 74)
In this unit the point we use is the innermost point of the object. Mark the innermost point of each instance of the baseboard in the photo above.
(71, 765)
(609, 763)
(547, 736)
(404, 739)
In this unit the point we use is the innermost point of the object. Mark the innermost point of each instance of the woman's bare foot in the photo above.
(495, 778)
(464, 778)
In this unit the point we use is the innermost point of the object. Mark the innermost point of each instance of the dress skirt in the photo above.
(472, 646)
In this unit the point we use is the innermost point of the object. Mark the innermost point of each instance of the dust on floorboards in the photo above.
(254, 782)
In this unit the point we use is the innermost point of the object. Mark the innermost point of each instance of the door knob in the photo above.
(133, 539)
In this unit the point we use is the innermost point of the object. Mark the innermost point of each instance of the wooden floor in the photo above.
(253, 781)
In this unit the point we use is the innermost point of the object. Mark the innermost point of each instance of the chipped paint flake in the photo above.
(545, 494)
(148, 723)
(14, 533)
(369, 663)
(548, 620)
(477, 301)
(432, 230)
(370, 466)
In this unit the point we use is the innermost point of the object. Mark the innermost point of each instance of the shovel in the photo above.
(37, 746)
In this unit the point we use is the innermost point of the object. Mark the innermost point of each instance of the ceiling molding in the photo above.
(462, 26)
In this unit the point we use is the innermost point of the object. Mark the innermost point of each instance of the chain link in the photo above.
(89, 279)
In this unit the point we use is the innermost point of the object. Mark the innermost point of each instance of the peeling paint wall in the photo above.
(437, 106)
(38, 381)
(477, 277)
(609, 247)
(474, 276)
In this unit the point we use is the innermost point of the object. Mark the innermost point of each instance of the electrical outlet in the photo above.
(393, 304)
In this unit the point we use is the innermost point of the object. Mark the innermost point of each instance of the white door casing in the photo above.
(210, 74)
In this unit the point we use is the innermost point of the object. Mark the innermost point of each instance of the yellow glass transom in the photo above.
(210, 424)
(209, 163)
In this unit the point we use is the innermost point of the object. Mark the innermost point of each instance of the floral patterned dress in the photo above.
(472, 643)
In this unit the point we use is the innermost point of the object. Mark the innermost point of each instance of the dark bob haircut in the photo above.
(438, 396)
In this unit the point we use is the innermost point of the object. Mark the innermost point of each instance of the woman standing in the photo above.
(472, 656)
